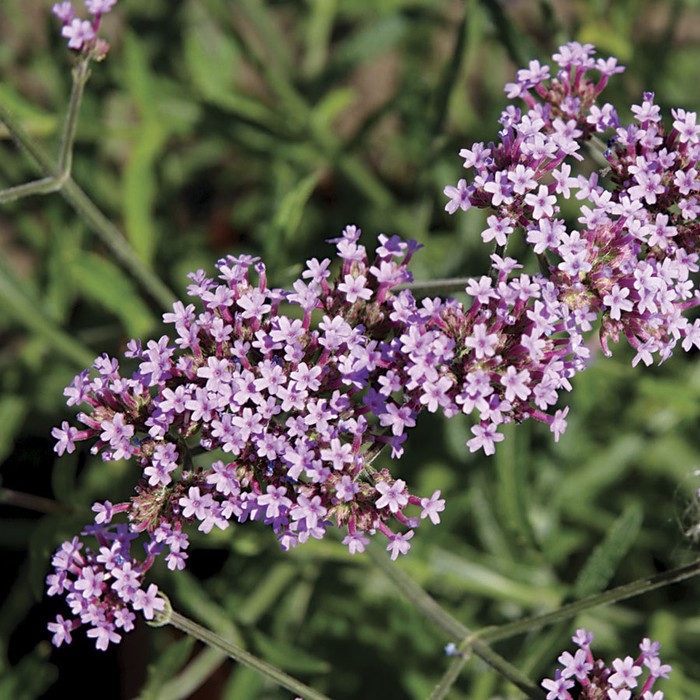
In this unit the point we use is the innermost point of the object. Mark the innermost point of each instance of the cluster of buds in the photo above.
(82, 33)
(582, 677)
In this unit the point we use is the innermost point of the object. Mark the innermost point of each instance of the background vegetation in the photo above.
(219, 126)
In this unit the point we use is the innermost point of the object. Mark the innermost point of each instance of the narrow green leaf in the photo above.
(511, 463)
(263, 597)
(606, 557)
(102, 281)
(210, 55)
(288, 215)
(139, 191)
(244, 683)
(166, 665)
(36, 122)
(288, 656)
(23, 307)
(31, 677)
(13, 410)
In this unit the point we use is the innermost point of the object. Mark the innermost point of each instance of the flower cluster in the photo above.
(630, 262)
(295, 393)
(82, 33)
(582, 677)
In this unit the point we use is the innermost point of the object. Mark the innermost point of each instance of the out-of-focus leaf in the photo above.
(291, 208)
(28, 679)
(288, 656)
(372, 39)
(167, 664)
(483, 579)
(193, 597)
(263, 598)
(211, 55)
(513, 484)
(61, 249)
(139, 189)
(608, 39)
(35, 121)
(244, 683)
(606, 557)
(103, 282)
(13, 409)
(332, 105)
(21, 304)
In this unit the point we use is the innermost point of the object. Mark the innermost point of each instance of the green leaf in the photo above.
(13, 410)
(211, 56)
(21, 304)
(264, 596)
(167, 664)
(606, 557)
(30, 677)
(139, 191)
(102, 281)
(36, 122)
(244, 683)
(288, 215)
(288, 656)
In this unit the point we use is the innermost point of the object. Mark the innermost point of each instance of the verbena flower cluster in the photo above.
(630, 261)
(582, 677)
(294, 393)
(82, 33)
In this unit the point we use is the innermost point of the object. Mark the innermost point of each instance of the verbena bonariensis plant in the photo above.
(298, 391)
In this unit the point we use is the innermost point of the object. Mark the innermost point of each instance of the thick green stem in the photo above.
(206, 636)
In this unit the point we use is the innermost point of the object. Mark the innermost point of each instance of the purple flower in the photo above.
(64, 11)
(399, 544)
(392, 495)
(78, 32)
(431, 507)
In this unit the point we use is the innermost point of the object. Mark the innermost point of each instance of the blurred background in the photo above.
(231, 126)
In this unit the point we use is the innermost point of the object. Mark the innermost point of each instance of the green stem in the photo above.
(450, 677)
(427, 605)
(439, 286)
(614, 595)
(59, 179)
(81, 73)
(193, 676)
(206, 636)
(31, 502)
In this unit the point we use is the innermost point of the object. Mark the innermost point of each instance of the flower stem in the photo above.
(213, 640)
(423, 602)
(29, 501)
(450, 677)
(58, 178)
(566, 612)
(438, 286)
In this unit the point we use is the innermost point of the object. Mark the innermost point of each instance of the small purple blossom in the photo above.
(581, 676)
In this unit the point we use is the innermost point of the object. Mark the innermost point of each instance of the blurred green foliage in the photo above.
(219, 126)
